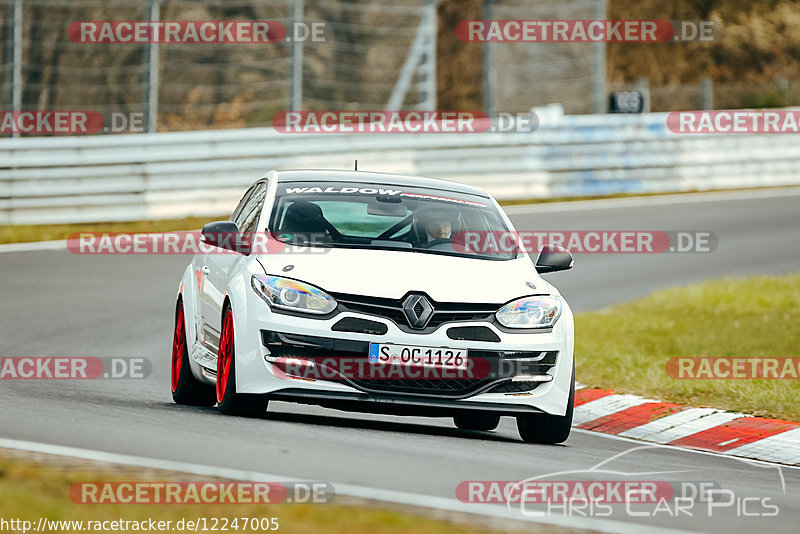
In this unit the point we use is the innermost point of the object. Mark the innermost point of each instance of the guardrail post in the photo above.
(296, 85)
(599, 97)
(706, 93)
(151, 87)
(488, 74)
(428, 59)
(643, 86)
(15, 23)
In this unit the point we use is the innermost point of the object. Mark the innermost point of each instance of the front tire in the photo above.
(546, 428)
(185, 388)
(477, 421)
(228, 400)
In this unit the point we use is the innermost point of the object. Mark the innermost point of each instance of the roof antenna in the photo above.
(356, 164)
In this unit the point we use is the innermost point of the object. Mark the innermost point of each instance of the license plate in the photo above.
(410, 355)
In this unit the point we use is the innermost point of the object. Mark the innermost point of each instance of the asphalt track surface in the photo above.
(59, 304)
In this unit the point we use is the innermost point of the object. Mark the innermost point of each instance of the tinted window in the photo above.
(250, 208)
(242, 202)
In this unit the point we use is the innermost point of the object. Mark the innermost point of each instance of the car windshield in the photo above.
(357, 215)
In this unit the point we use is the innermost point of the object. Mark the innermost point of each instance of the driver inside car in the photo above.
(431, 226)
(440, 229)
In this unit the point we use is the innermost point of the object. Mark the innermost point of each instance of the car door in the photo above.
(216, 267)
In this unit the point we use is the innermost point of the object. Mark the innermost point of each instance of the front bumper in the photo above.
(264, 337)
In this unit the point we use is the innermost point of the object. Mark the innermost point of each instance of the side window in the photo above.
(247, 218)
(238, 210)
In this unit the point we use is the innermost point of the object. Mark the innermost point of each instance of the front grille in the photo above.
(455, 387)
(392, 309)
(488, 367)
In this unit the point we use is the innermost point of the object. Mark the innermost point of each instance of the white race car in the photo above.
(377, 293)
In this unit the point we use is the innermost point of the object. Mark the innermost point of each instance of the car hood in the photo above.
(392, 274)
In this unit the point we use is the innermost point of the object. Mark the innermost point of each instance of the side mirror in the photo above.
(222, 234)
(553, 258)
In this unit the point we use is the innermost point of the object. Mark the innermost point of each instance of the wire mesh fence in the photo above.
(210, 85)
(524, 75)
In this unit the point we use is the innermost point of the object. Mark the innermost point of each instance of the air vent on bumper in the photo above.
(473, 333)
(360, 326)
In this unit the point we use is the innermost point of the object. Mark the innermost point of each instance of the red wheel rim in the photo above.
(225, 356)
(178, 346)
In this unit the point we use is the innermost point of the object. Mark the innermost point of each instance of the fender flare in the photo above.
(189, 292)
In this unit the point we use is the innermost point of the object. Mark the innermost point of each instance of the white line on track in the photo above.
(38, 245)
(363, 492)
(781, 447)
(656, 200)
(726, 455)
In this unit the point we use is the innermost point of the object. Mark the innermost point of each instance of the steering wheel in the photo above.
(437, 242)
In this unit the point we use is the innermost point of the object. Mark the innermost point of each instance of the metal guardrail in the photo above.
(164, 175)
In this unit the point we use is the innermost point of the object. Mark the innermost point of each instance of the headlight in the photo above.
(290, 294)
(530, 312)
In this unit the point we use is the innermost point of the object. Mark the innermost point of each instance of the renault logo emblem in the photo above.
(418, 310)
